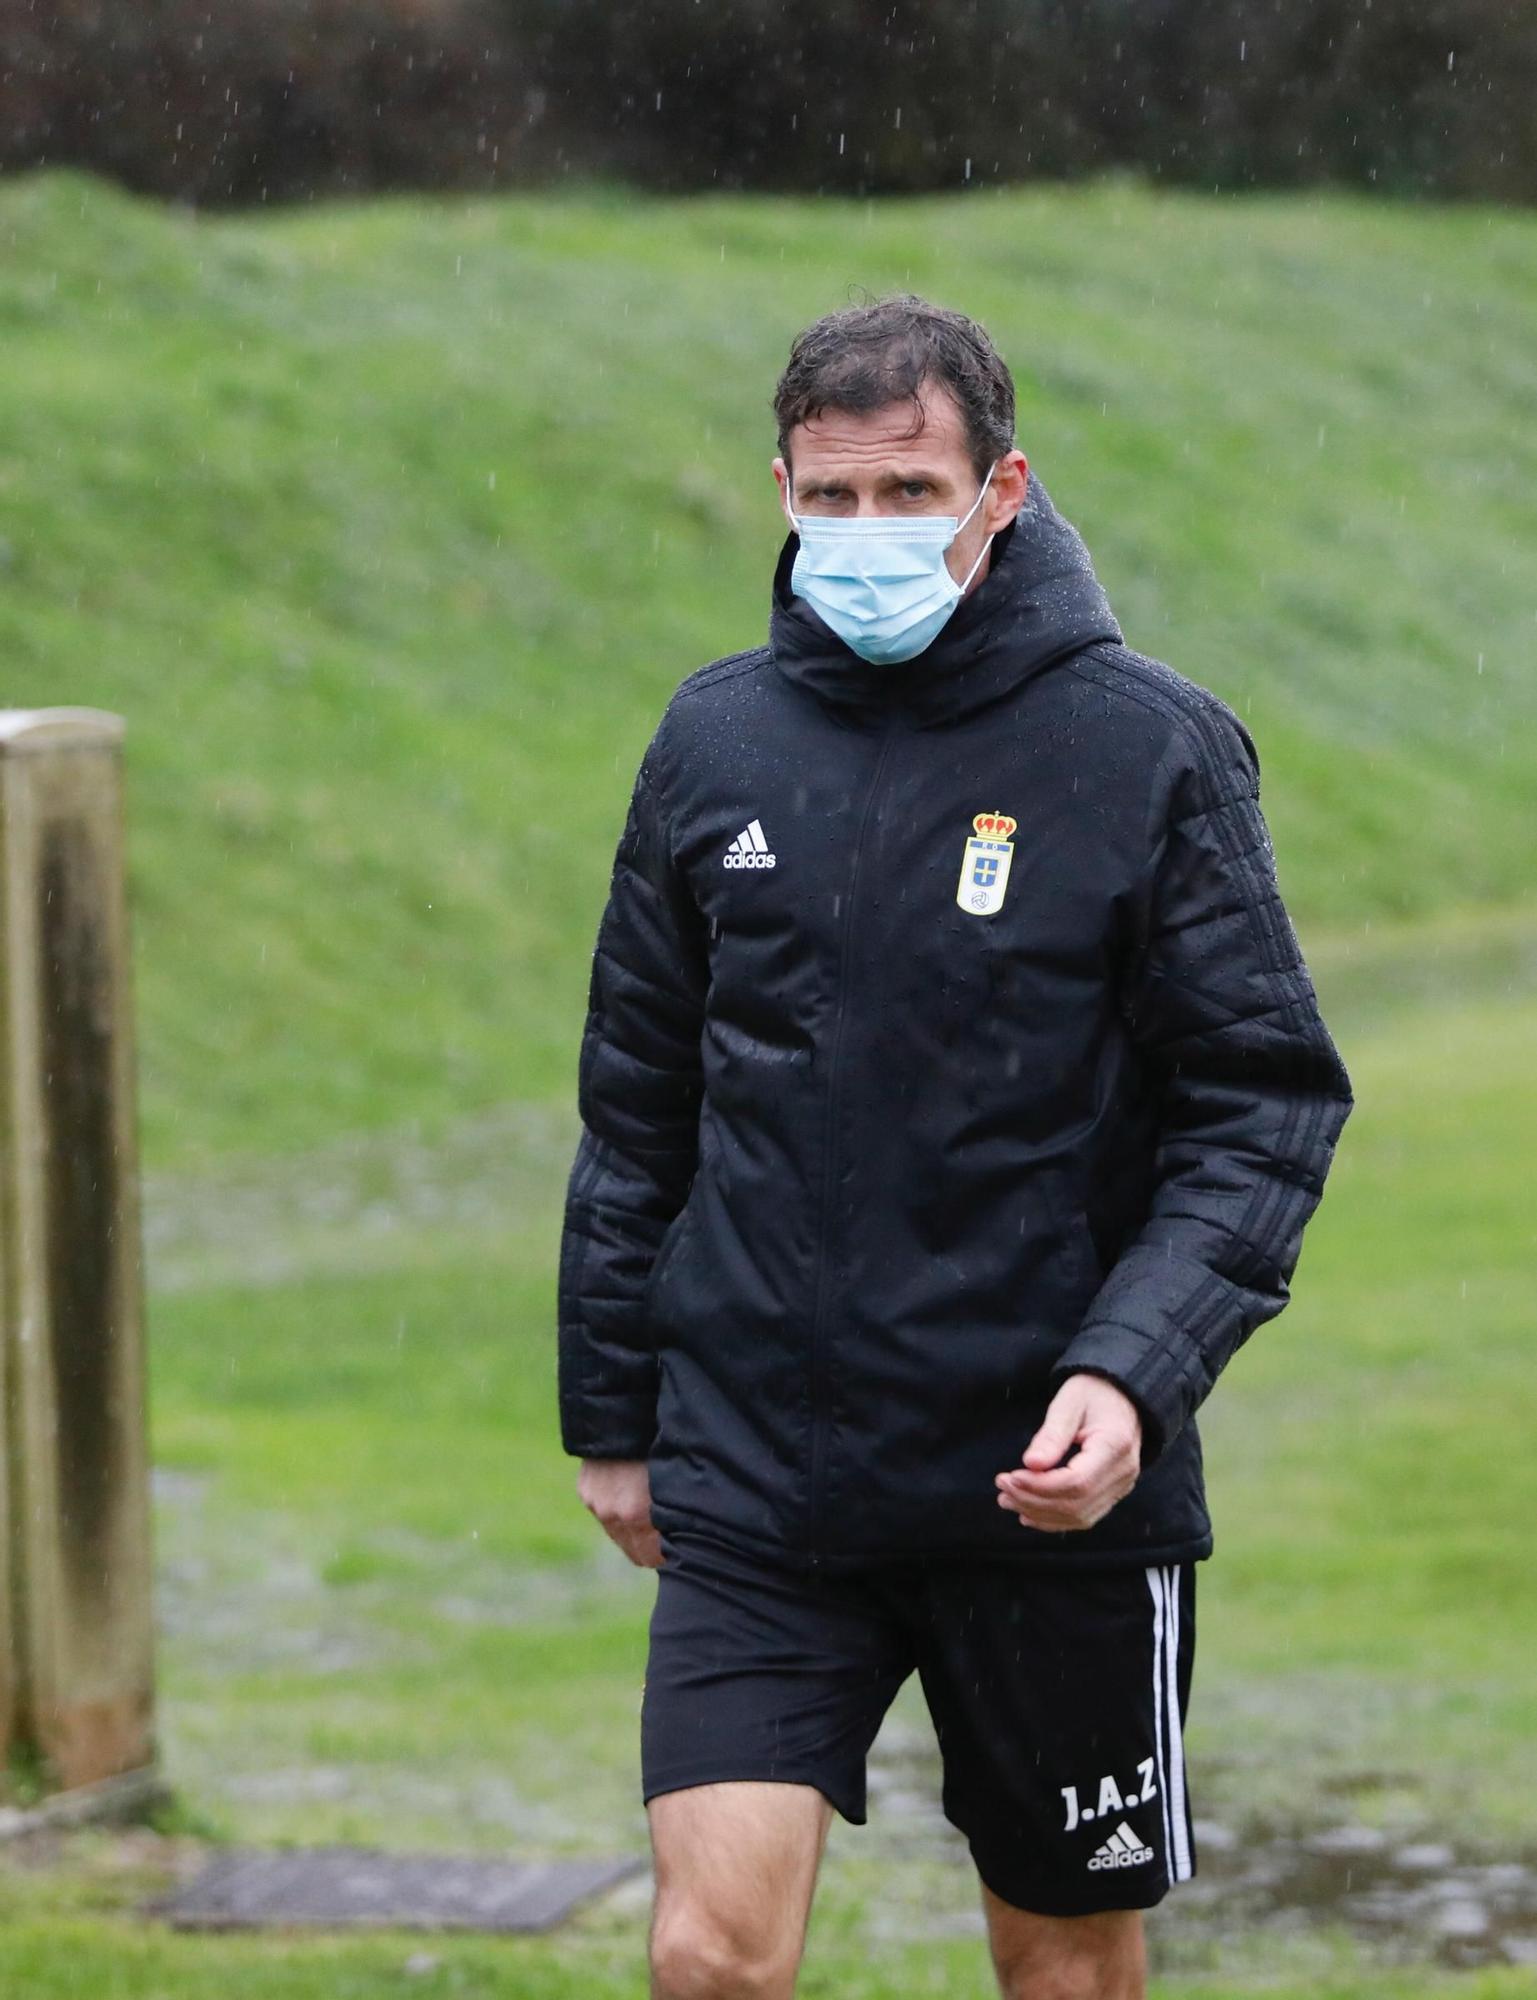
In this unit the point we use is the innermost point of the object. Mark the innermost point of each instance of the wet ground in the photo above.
(359, 1203)
(1403, 1902)
(1405, 1896)
(1403, 1891)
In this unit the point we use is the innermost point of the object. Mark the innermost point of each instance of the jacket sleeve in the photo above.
(1252, 1094)
(639, 1088)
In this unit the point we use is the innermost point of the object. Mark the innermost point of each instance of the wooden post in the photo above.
(76, 1631)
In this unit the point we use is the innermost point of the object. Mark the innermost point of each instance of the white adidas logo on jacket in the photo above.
(750, 849)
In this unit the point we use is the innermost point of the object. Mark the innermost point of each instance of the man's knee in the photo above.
(1083, 1976)
(1076, 1958)
(695, 1957)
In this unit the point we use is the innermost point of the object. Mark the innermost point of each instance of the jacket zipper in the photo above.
(818, 1331)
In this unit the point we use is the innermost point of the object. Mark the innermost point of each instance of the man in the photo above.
(954, 1096)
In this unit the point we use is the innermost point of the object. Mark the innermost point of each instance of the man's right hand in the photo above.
(617, 1491)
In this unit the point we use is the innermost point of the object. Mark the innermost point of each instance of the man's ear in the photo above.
(1008, 492)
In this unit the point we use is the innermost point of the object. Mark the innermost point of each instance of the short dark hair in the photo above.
(864, 357)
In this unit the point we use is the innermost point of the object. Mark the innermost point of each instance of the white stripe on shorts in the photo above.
(1180, 1869)
(1155, 1587)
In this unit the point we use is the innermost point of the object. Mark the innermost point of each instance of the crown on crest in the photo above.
(997, 826)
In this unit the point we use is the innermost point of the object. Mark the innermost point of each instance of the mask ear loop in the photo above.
(978, 563)
(991, 538)
(981, 494)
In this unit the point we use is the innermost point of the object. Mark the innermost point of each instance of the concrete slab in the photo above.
(345, 1887)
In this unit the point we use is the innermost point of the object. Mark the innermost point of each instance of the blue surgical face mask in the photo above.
(881, 581)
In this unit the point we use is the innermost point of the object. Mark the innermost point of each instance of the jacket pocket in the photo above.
(1083, 1267)
(667, 1250)
(1089, 1266)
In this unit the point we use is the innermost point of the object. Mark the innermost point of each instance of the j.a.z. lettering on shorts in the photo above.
(1109, 1796)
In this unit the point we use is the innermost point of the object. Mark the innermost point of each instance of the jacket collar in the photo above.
(1039, 600)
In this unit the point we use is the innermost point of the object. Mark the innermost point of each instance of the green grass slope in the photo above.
(391, 526)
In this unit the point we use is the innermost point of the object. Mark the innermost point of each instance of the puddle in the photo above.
(356, 1203)
(241, 1592)
(1410, 1898)
(235, 1603)
(254, 1590)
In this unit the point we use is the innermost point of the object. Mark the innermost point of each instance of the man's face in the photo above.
(851, 465)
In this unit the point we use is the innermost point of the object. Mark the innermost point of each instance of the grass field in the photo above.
(390, 528)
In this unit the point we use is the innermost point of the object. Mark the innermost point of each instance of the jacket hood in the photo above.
(1039, 600)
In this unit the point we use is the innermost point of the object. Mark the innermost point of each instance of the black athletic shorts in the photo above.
(1057, 1699)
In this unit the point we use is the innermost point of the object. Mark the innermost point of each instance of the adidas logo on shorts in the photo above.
(1122, 1850)
(750, 849)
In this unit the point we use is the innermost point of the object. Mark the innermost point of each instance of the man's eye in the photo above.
(914, 489)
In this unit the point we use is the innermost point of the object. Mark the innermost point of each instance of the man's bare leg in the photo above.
(1100, 1957)
(735, 1865)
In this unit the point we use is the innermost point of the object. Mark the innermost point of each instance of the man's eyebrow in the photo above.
(807, 482)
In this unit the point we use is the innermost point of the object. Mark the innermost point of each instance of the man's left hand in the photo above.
(1091, 1412)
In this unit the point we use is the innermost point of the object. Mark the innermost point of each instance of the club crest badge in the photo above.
(985, 865)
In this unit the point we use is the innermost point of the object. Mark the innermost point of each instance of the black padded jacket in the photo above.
(947, 1035)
